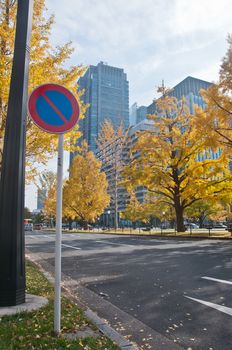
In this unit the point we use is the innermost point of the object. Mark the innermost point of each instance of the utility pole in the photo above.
(12, 244)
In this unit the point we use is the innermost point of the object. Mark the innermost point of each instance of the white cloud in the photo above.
(207, 15)
(147, 38)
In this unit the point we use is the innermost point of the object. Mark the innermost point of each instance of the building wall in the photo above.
(116, 155)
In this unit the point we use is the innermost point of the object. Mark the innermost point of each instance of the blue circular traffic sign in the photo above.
(53, 108)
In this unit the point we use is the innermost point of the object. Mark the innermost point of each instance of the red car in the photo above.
(37, 226)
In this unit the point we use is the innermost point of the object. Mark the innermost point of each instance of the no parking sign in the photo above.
(53, 108)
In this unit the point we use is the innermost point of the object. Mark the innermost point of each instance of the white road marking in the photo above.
(107, 242)
(70, 246)
(46, 236)
(118, 244)
(216, 280)
(224, 309)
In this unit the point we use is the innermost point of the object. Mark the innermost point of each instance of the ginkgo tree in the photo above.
(135, 210)
(85, 192)
(111, 146)
(174, 163)
(207, 210)
(216, 119)
(47, 64)
(50, 204)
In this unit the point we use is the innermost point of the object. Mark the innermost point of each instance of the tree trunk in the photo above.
(116, 190)
(201, 220)
(85, 225)
(179, 210)
(179, 218)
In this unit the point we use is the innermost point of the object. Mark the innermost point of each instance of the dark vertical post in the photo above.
(12, 255)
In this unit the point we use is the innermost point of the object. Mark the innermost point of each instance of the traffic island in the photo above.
(34, 330)
(209, 233)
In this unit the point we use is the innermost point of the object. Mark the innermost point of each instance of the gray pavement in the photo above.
(32, 302)
(161, 293)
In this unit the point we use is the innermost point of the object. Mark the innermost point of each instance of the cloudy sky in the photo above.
(151, 39)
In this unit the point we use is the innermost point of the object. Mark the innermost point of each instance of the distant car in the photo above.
(146, 228)
(37, 226)
(191, 225)
(65, 226)
(219, 225)
(28, 227)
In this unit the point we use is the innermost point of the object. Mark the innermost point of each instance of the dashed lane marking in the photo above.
(216, 280)
(118, 244)
(224, 309)
(64, 245)
(70, 246)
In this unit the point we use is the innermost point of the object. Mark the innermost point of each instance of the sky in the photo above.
(152, 40)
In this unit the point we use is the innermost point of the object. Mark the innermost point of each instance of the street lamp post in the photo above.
(163, 213)
(12, 255)
(108, 212)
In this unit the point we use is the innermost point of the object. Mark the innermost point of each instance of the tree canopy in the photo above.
(85, 192)
(216, 119)
(174, 163)
(47, 64)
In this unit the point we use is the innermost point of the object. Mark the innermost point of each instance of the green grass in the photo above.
(34, 330)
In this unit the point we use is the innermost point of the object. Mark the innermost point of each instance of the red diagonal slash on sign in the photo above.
(42, 121)
(54, 107)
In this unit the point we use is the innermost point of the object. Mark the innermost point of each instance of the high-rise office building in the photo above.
(190, 89)
(137, 114)
(41, 196)
(106, 91)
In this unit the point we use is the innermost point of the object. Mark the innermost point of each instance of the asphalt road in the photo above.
(152, 289)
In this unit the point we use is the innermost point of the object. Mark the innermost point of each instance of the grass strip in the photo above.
(158, 233)
(34, 330)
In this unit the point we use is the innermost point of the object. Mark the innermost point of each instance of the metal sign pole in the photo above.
(57, 301)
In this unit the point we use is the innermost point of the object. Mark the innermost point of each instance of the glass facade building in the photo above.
(41, 196)
(137, 114)
(106, 91)
(189, 88)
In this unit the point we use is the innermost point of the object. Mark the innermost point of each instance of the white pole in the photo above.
(57, 301)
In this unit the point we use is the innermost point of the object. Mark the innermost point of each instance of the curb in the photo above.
(101, 324)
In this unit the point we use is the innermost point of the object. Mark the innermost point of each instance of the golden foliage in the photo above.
(85, 193)
(135, 211)
(47, 64)
(215, 120)
(50, 202)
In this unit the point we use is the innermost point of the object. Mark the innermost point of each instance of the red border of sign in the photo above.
(39, 121)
